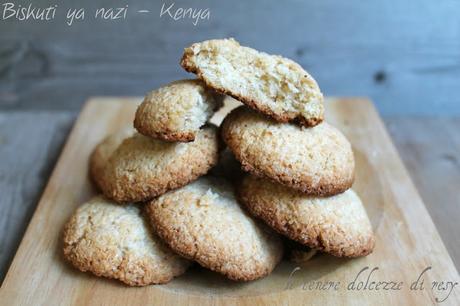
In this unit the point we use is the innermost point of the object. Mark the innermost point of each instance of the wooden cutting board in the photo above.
(407, 240)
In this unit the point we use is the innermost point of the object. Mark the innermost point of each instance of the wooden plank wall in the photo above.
(405, 55)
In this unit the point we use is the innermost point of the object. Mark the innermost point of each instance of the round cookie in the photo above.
(104, 150)
(203, 222)
(142, 168)
(114, 241)
(270, 84)
(175, 112)
(317, 161)
(337, 225)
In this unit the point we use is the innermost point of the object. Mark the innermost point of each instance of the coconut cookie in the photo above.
(176, 112)
(317, 161)
(337, 225)
(271, 84)
(142, 167)
(114, 241)
(104, 150)
(203, 222)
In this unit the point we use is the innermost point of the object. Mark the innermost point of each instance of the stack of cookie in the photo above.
(300, 168)
(300, 171)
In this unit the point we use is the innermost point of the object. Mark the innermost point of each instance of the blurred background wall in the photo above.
(405, 55)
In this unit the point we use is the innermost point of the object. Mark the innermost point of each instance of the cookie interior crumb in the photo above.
(269, 81)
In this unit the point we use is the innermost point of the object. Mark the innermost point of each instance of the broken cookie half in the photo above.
(270, 84)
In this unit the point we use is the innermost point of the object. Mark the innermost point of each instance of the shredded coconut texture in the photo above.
(271, 84)
(338, 225)
(115, 241)
(203, 222)
(176, 112)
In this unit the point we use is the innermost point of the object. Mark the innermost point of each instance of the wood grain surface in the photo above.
(404, 56)
(430, 149)
(29, 147)
(407, 240)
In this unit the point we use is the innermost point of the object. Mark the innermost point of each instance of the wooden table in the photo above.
(31, 142)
